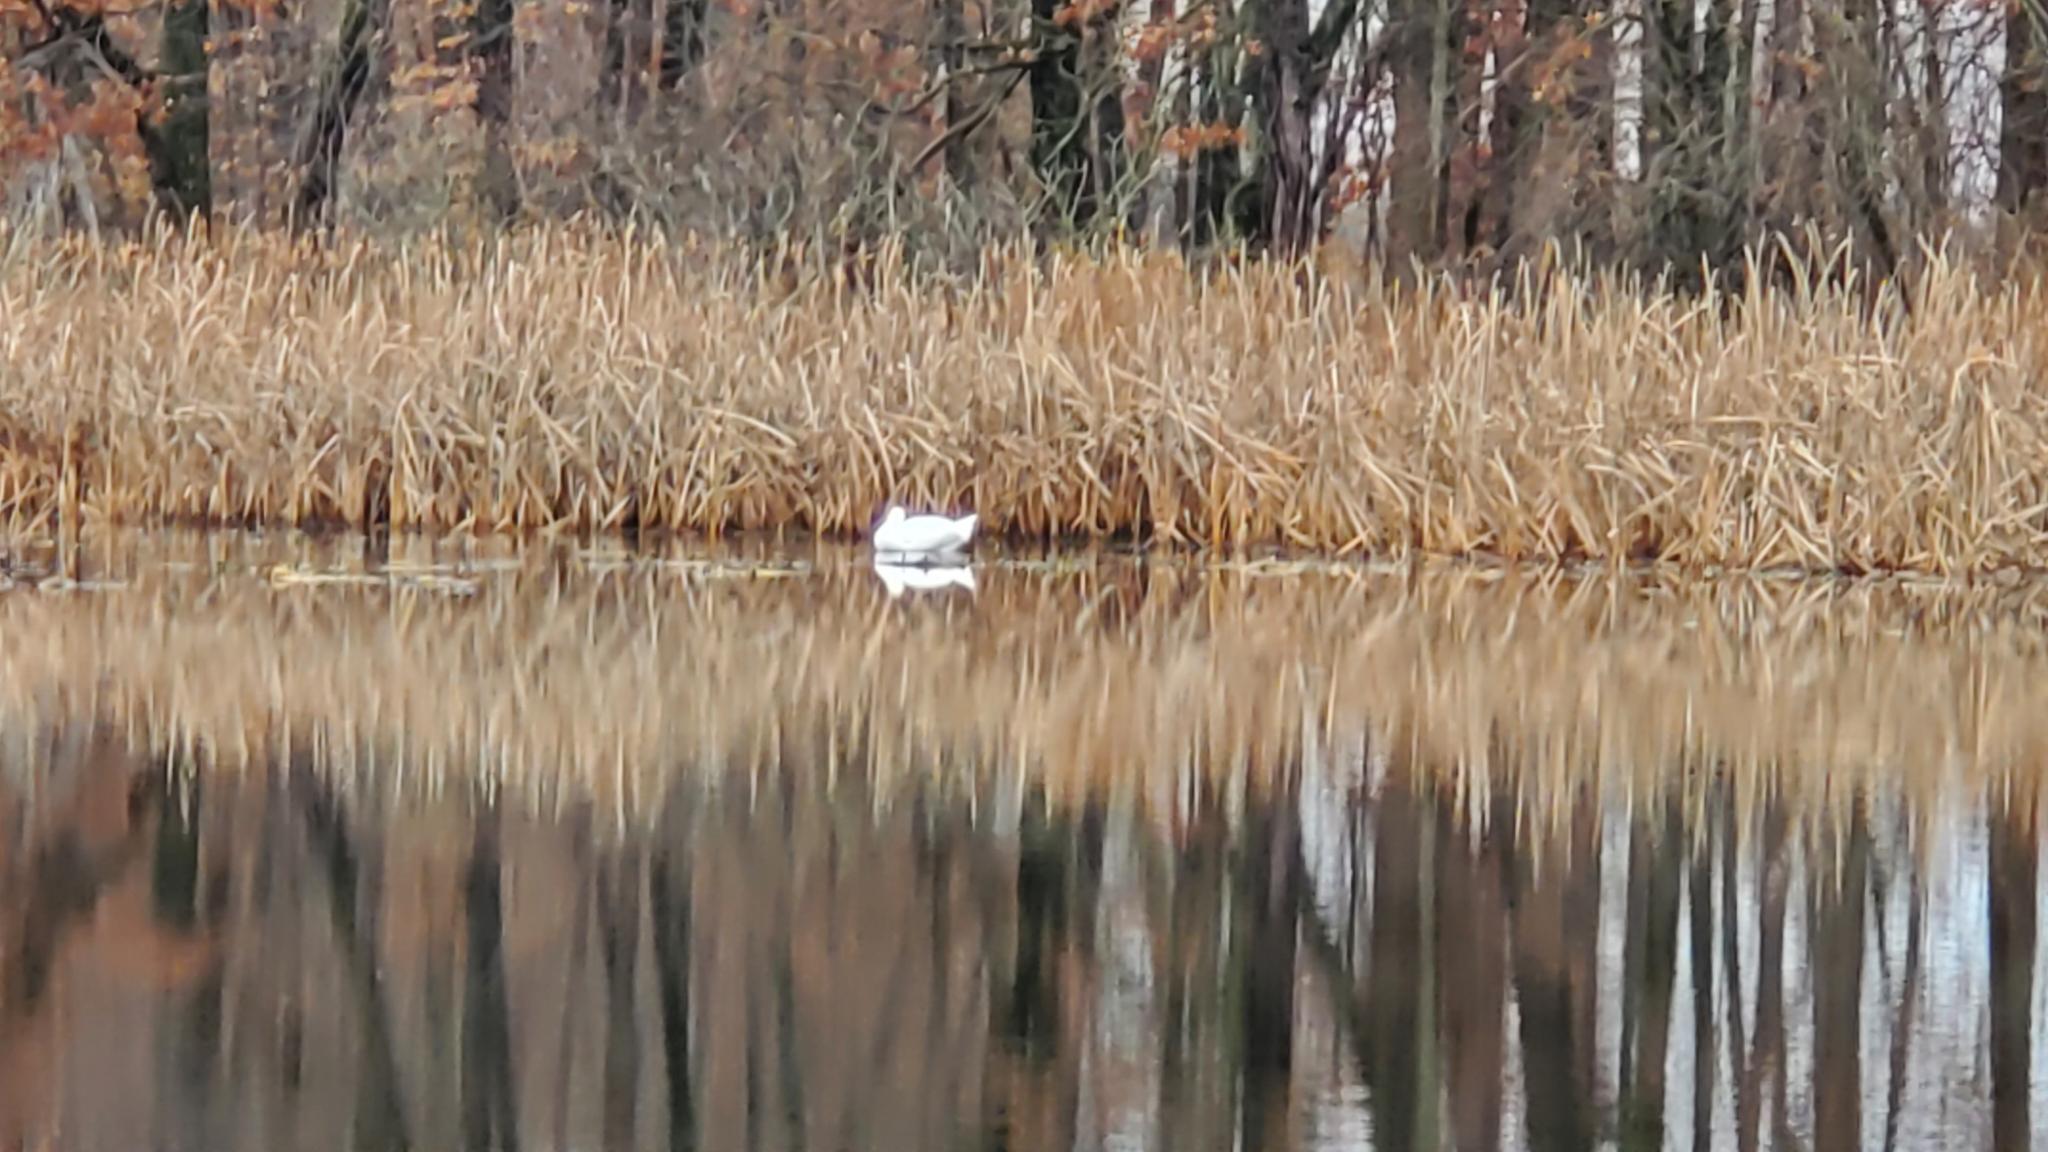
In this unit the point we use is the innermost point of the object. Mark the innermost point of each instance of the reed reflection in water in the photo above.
(1336, 943)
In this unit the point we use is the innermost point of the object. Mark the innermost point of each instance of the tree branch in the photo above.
(937, 87)
(969, 124)
(1329, 33)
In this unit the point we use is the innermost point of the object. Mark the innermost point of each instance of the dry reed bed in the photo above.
(566, 378)
(563, 685)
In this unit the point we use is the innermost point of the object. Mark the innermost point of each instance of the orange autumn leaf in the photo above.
(1082, 13)
(1187, 140)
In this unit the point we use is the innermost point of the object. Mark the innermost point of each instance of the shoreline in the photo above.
(52, 553)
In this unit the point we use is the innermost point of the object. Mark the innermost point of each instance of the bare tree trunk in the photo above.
(1698, 202)
(682, 40)
(1791, 137)
(628, 39)
(1076, 113)
(184, 175)
(952, 30)
(1159, 200)
(177, 149)
(1293, 66)
(1211, 172)
(1550, 149)
(1419, 49)
(1474, 212)
(316, 155)
(2023, 91)
(491, 48)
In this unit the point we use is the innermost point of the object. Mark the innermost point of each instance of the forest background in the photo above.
(1662, 135)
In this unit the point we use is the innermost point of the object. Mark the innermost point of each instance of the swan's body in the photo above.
(912, 538)
(899, 578)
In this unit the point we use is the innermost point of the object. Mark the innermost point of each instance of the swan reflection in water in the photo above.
(900, 578)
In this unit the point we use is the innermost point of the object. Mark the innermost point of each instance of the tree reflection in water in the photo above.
(795, 959)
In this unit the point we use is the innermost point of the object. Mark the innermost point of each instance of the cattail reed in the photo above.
(569, 378)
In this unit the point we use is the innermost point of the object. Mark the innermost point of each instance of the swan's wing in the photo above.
(932, 534)
(902, 536)
(924, 534)
(950, 535)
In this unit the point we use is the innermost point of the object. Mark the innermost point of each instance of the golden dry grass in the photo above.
(607, 679)
(571, 379)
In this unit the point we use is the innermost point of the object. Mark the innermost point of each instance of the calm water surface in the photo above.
(579, 850)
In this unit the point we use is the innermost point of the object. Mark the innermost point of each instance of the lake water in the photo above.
(318, 845)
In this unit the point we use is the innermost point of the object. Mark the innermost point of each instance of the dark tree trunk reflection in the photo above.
(2015, 862)
(1036, 1093)
(1396, 981)
(618, 917)
(354, 892)
(1841, 881)
(1907, 1021)
(489, 1117)
(1472, 929)
(1656, 872)
(670, 902)
(1193, 878)
(1268, 896)
(1733, 913)
(1700, 905)
(1555, 918)
(801, 962)
(189, 1045)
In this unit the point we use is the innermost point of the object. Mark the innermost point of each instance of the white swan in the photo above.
(913, 537)
(898, 578)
